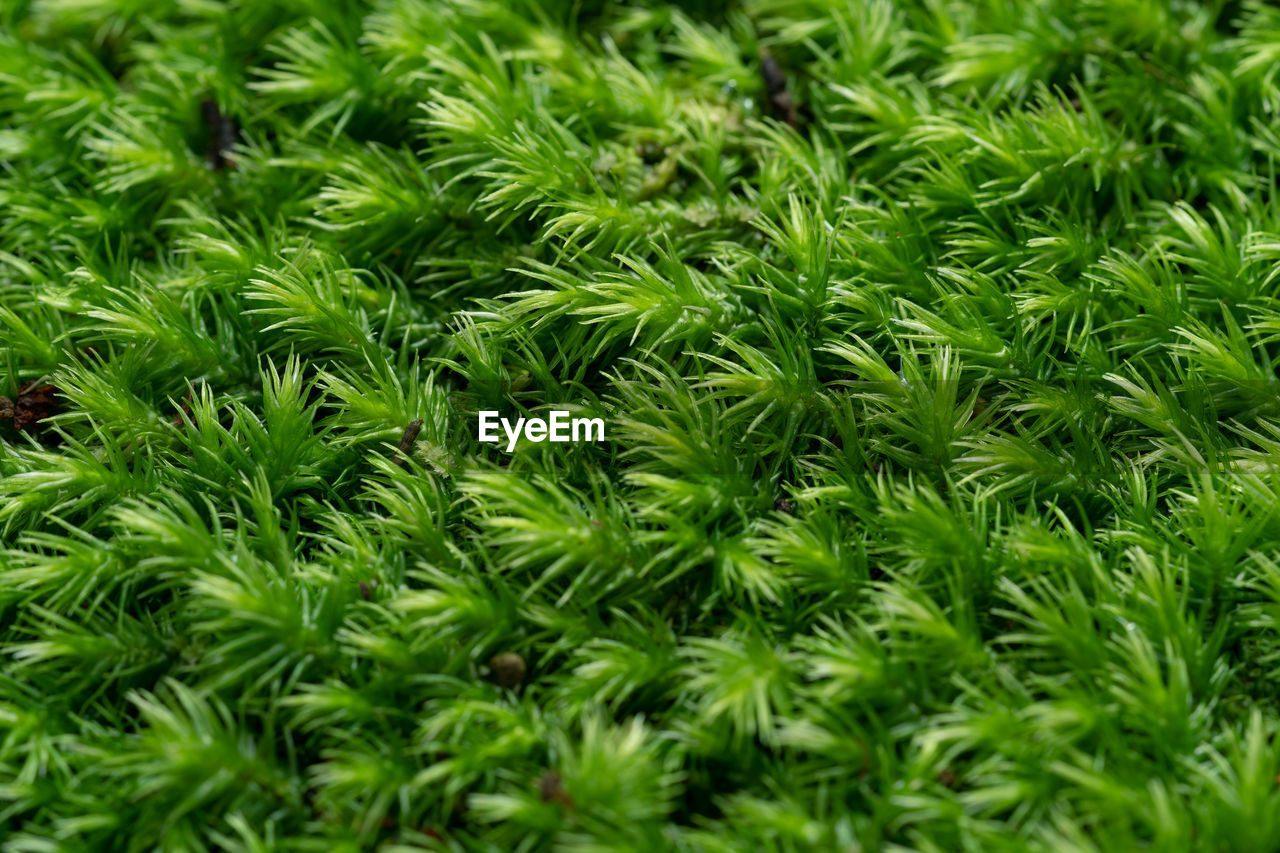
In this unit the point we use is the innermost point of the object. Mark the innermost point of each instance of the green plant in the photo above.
(937, 344)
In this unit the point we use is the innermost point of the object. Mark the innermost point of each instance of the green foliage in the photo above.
(937, 344)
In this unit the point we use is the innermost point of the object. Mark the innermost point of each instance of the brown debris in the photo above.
(508, 669)
(407, 440)
(781, 103)
(35, 403)
(223, 132)
(551, 789)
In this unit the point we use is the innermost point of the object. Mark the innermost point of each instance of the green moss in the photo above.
(937, 344)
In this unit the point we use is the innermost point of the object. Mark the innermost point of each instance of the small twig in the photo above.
(406, 442)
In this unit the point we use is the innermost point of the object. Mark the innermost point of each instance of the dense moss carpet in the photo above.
(936, 347)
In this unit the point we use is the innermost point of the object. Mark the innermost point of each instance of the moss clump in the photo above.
(936, 343)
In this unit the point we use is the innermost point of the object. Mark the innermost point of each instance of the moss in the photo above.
(936, 345)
